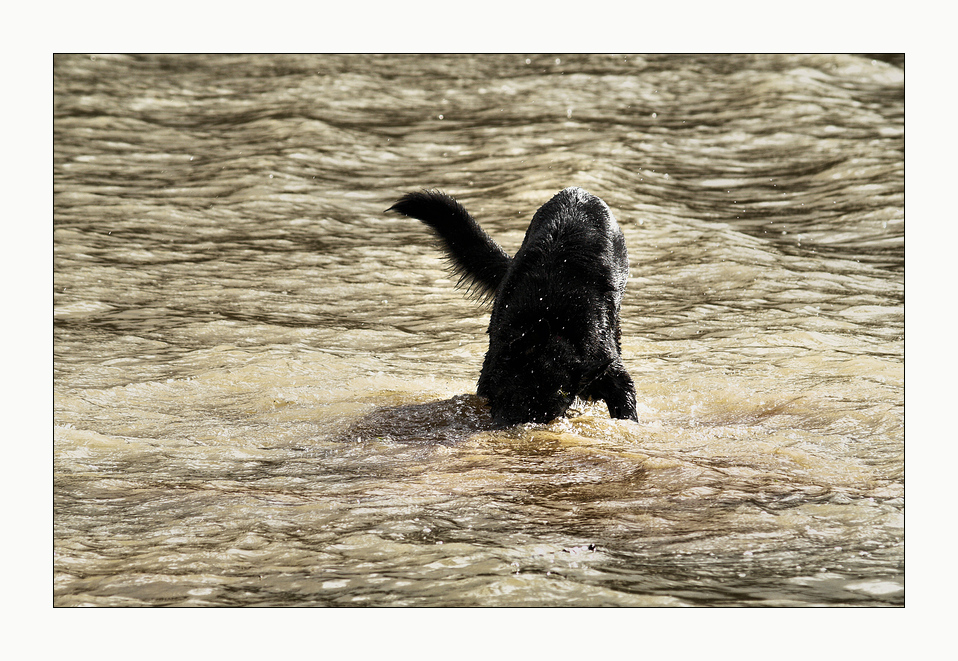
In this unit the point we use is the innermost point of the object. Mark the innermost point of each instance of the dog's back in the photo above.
(575, 239)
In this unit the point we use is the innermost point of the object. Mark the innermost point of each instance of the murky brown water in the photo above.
(264, 384)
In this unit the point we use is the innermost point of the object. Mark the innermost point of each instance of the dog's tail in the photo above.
(477, 259)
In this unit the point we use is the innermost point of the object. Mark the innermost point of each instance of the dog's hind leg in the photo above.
(615, 386)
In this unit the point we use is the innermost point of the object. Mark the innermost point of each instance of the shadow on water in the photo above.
(443, 422)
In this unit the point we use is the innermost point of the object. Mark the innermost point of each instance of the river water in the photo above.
(264, 385)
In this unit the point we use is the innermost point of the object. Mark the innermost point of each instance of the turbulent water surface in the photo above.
(264, 385)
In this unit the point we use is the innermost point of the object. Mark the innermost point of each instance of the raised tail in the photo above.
(478, 260)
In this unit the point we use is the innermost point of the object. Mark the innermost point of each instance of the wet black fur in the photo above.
(554, 331)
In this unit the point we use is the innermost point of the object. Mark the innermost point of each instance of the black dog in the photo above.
(554, 331)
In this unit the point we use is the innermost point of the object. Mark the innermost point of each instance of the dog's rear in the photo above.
(554, 329)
